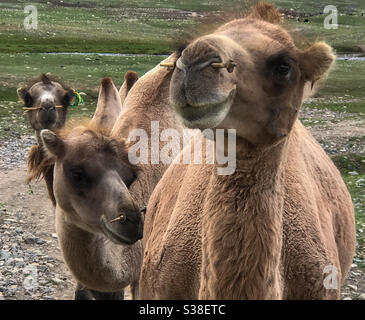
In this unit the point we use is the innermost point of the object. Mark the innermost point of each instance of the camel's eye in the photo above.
(283, 69)
(79, 177)
(281, 72)
(280, 67)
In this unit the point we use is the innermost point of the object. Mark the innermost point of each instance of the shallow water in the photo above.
(350, 57)
(109, 54)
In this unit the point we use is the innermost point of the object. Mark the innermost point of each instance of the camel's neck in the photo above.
(95, 261)
(147, 109)
(242, 228)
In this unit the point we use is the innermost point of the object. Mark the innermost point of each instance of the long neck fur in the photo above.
(95, 261)
(242, 228)
(147, 101)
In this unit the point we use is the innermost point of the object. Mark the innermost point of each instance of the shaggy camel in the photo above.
(92, 178)
(280, 227)
(46, 101)
(56, 117)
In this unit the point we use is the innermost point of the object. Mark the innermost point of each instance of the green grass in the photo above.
(346, 38)
(147, 26)
(349, 107)
(344, 90)
(80, 72)
(349, 165)
(88, 30)
(346, 81)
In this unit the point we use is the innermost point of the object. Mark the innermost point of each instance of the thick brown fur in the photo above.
(283, 222)
(84, 249)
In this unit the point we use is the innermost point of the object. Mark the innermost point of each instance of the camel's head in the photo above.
(91, 183)
(51, 98)
(92, 173)
(248, 76)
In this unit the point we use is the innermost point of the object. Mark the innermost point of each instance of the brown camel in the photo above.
(46, 101)
(282, 225)
(93, 178)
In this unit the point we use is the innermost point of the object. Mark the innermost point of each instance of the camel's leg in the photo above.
(134, 287)
(97, 295)
(81, 293)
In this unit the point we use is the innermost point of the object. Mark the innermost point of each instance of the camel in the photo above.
(46, 101)
(94, 183)
(282, 225)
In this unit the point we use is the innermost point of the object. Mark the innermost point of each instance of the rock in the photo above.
(353, 287)
(1, 296)
(354, 265)
(4, 255)
(19, 262)
(361, 296)
(40, 241)
(30, 240)
(353, 173)
(9, 262)
(347, 298)
(57, 281)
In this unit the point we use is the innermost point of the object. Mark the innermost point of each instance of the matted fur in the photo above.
(34, 162)
(101, 134)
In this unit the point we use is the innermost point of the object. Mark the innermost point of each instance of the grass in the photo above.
(344, 90)
(64, 29)
(80, 72)
(150, 26)
(352, 167)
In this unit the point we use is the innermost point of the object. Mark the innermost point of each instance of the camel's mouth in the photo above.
(205, 116)
(118, 237)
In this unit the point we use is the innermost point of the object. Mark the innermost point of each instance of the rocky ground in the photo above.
(31, 265)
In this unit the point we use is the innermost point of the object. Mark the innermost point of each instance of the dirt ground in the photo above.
(31, 210)
(28, 235)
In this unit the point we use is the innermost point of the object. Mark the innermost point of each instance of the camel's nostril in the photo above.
(48, 107)
(121, 219)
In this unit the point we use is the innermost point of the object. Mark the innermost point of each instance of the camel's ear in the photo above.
(67, 98)
(53, 145)
(130, 79)
(316, 61)
(25, 96)
(109, 105)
